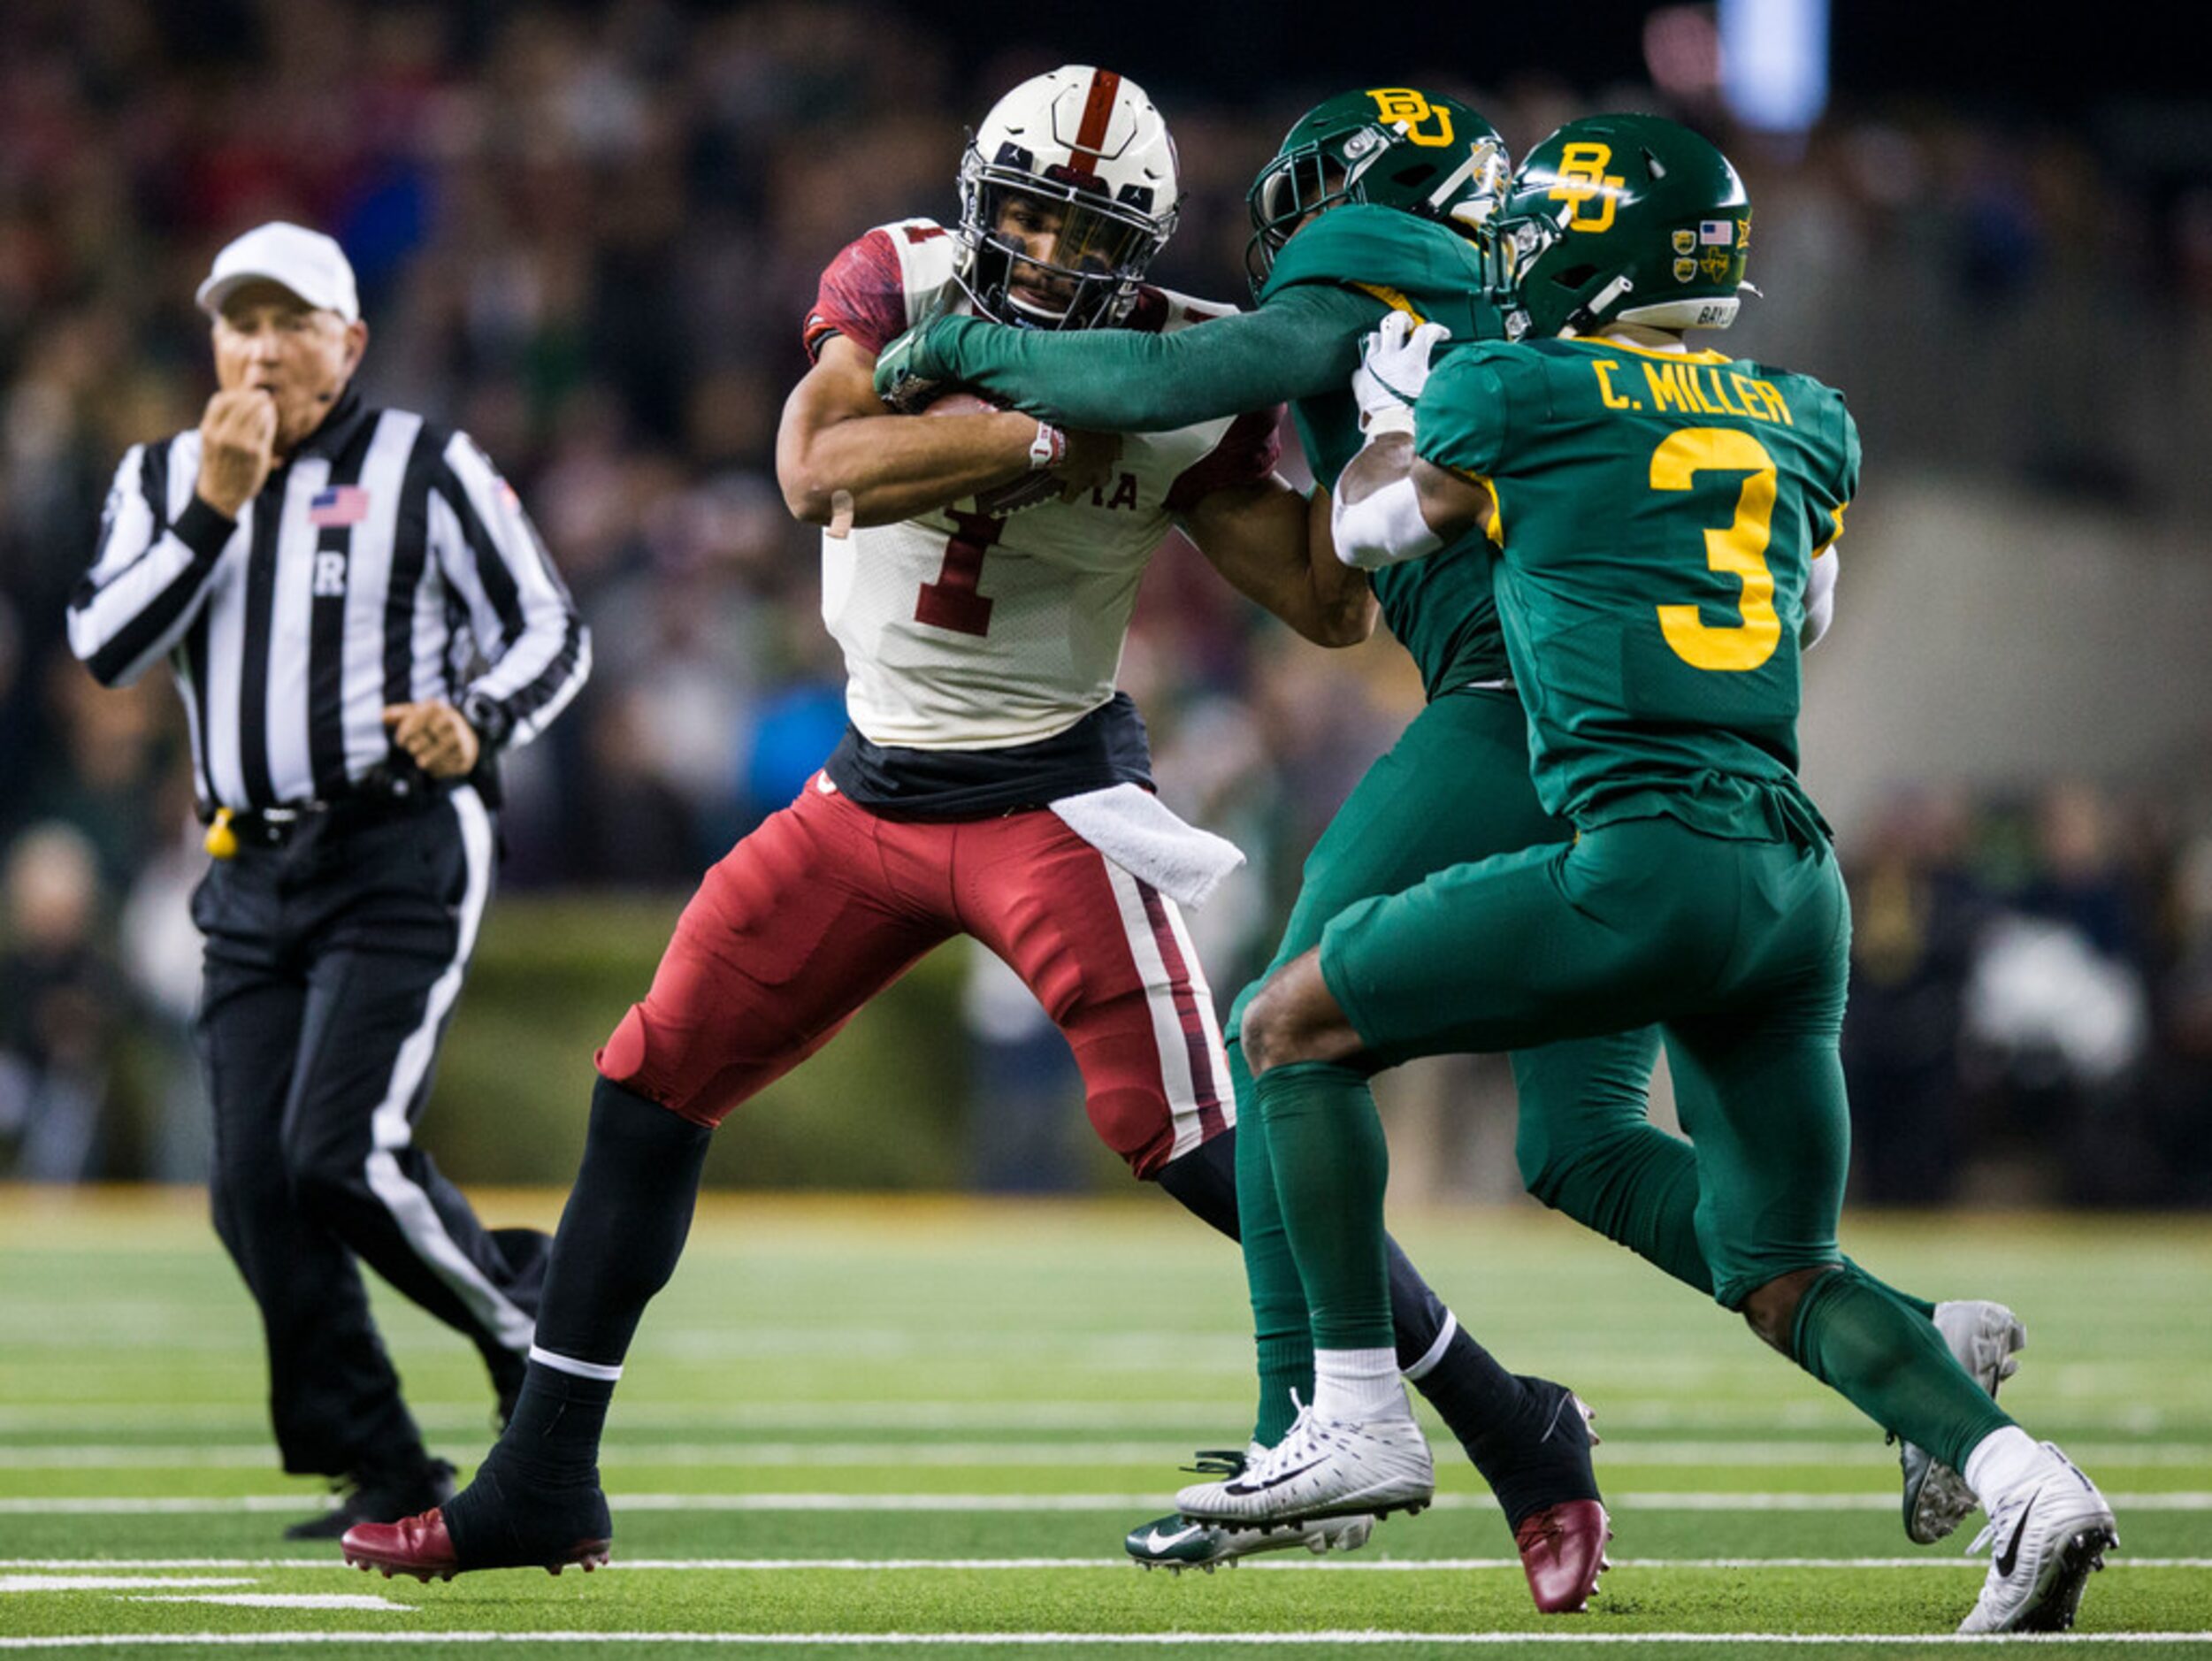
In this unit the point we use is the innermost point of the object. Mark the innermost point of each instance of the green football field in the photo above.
(868, 1425)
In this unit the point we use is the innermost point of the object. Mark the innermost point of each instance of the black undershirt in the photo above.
(1108, 746)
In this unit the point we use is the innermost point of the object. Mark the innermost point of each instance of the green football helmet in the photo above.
(1392, 146)
(1628, 218)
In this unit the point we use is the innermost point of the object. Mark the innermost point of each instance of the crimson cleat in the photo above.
(421, 1547)
(1562, 1552)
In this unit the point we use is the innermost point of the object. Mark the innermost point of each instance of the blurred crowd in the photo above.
(588, 235)
(2031, 1014)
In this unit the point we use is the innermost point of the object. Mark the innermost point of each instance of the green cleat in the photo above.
(1172, 1543)
(1176, 1544)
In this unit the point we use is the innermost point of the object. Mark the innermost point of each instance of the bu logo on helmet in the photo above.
(1404, 103)
(1582, 179)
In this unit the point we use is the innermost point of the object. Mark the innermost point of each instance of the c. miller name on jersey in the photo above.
(1693, 389)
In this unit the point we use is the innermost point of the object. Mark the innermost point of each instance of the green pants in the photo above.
(1454, 788)
(1738, 948)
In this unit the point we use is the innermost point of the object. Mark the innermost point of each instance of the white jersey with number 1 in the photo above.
(962, 631)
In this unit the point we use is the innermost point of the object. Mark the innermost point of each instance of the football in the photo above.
(1030, 491)
(960, 402)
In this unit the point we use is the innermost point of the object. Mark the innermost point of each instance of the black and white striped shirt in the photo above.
(379, 566)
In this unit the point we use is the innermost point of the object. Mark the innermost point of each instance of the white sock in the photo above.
(2000, 1462)
(1359, 1386)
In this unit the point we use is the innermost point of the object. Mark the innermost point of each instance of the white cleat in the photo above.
(1984, 1337)
(2046, 1538)
(1323, 1468)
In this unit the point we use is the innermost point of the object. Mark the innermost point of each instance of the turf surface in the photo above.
(864, 1426)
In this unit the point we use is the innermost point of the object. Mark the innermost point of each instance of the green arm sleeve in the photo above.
(1302, 342)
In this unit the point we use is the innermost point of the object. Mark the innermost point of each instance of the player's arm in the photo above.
(1391, 505)
(1273, 545)
(1304, 341)
(836, 445)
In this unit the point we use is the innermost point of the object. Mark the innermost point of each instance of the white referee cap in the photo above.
(307, 263)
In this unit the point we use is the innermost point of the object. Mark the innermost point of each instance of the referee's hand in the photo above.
(238, 436)
(436, 734)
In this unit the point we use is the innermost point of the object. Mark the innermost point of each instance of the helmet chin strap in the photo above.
(1591, 310)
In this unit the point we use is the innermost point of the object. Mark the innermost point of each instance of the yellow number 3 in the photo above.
(1740, 550)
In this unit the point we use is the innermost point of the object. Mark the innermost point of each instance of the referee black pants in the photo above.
(333, 962)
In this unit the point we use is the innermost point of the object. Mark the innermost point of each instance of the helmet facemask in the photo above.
(1422, 161)
(1085, 277)
(1300, 183)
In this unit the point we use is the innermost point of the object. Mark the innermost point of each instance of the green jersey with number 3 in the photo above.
(1656, 515)
(1440, 609)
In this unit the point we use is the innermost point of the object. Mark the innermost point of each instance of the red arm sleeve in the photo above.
(1246, 455)
(863, 294)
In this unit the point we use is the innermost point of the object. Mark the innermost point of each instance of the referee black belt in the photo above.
(274, 827)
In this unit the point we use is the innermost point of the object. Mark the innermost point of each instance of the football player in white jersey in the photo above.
(979, 571)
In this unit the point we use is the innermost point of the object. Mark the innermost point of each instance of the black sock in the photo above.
(621, 1235)
(624, 1227)
(1204, 1182)
(1523, 1435)
(536, 1492)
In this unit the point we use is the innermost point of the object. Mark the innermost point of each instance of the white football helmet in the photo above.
(1078, 156)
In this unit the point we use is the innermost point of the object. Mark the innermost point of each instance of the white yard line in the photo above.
(1367, 1638)
(2197, 1500)
(118, 1571)
(1866, 1451)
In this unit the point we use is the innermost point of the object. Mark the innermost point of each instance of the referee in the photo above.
(359, 616)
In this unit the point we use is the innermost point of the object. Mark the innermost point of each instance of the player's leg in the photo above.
(1762, 1086)
(334, 1399)
(1455, 786)
(797, 927)
(1109, 958)
(1529, 1437)
(1763, 1107)
(1586, 1146)
(1508, 951)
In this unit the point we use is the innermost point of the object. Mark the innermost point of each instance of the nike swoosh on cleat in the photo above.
(1156, 1540)
(2011, 1554)
(1242, 1486)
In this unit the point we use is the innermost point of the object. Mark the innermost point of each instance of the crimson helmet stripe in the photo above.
(1098, 111)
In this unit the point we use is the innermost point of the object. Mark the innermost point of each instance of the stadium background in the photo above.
(588, 234)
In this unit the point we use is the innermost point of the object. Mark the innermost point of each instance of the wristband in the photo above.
(1394, 418)
(1048, 449)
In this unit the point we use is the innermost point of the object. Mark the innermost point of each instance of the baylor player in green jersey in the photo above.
(1360, 215)
(1655, 513)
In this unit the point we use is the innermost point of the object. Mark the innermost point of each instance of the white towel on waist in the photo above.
(1138, 833)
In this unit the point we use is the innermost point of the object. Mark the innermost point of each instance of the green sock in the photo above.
(1283, 1335)
(1331, 1167)
(1857, 1337)
(1919, 1307)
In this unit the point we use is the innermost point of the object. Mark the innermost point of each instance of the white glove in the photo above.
(1819, 597)
(1393, 369)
